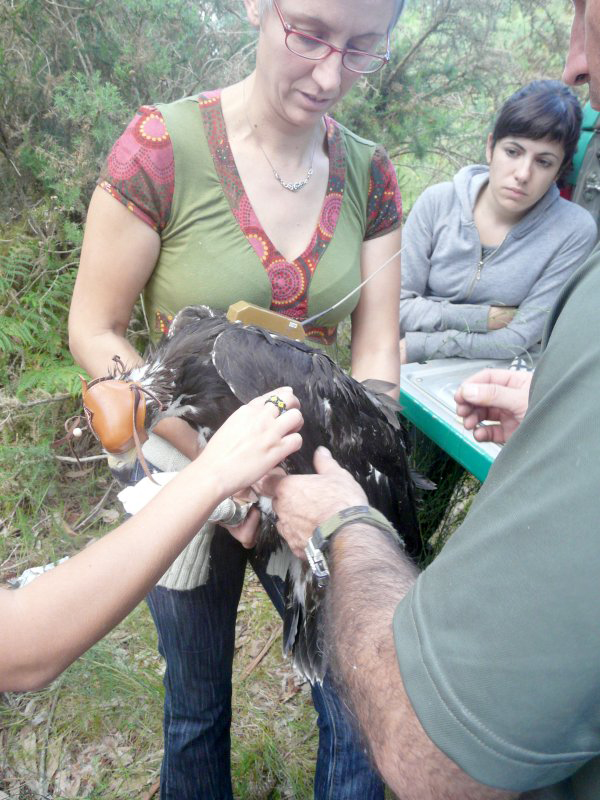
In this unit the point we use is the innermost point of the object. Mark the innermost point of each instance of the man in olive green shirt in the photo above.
(480, 678)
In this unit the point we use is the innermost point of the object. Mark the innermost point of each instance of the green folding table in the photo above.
(427, 400)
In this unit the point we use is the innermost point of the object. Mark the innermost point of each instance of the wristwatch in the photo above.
(319, 543)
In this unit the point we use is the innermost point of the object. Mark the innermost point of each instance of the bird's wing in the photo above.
(339, 413)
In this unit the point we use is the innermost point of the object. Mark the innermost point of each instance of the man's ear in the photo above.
(489, 148)
(252, 12)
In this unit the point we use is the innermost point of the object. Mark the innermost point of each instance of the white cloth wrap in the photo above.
(190, 568)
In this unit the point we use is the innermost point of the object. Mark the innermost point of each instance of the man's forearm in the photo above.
(370, 575)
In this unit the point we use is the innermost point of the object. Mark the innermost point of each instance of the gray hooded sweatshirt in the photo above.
(447, 292)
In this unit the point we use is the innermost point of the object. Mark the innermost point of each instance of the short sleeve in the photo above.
(140, 169)
(384, 204)
(498, 641)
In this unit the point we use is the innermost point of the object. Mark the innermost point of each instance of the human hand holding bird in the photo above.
(259, 439)
(254, 439)
(302, 502)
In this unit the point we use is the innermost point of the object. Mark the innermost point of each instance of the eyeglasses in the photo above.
(314, 49)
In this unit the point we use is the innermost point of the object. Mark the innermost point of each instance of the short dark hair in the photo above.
(540, 110)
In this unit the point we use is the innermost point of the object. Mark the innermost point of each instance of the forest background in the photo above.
(72, 72)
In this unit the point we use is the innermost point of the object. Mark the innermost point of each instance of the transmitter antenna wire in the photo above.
(353, 291)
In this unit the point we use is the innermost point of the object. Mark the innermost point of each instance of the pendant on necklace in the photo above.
(294, 187)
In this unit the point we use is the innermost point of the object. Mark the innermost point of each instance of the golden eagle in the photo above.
(204, 369)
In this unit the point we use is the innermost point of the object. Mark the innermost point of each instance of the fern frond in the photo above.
(16, 334)
(57, 378)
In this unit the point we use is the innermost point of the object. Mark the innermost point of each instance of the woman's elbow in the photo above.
(36, 681)
(28, 677)
(84, 332)
(77, 347)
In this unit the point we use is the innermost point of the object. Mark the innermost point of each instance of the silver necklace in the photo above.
(292, 187)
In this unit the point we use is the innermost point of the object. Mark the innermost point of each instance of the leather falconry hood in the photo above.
(116, 413)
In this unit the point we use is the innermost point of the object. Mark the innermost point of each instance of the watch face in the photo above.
(320, 542)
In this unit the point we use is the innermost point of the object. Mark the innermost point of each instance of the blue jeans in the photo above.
(196, 631)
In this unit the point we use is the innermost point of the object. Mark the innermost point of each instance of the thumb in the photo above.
(324, 462)
(488, 394)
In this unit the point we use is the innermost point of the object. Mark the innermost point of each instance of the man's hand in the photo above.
(497, 395)
(302, 502)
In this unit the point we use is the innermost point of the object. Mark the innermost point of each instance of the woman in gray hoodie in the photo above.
(486, 255)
